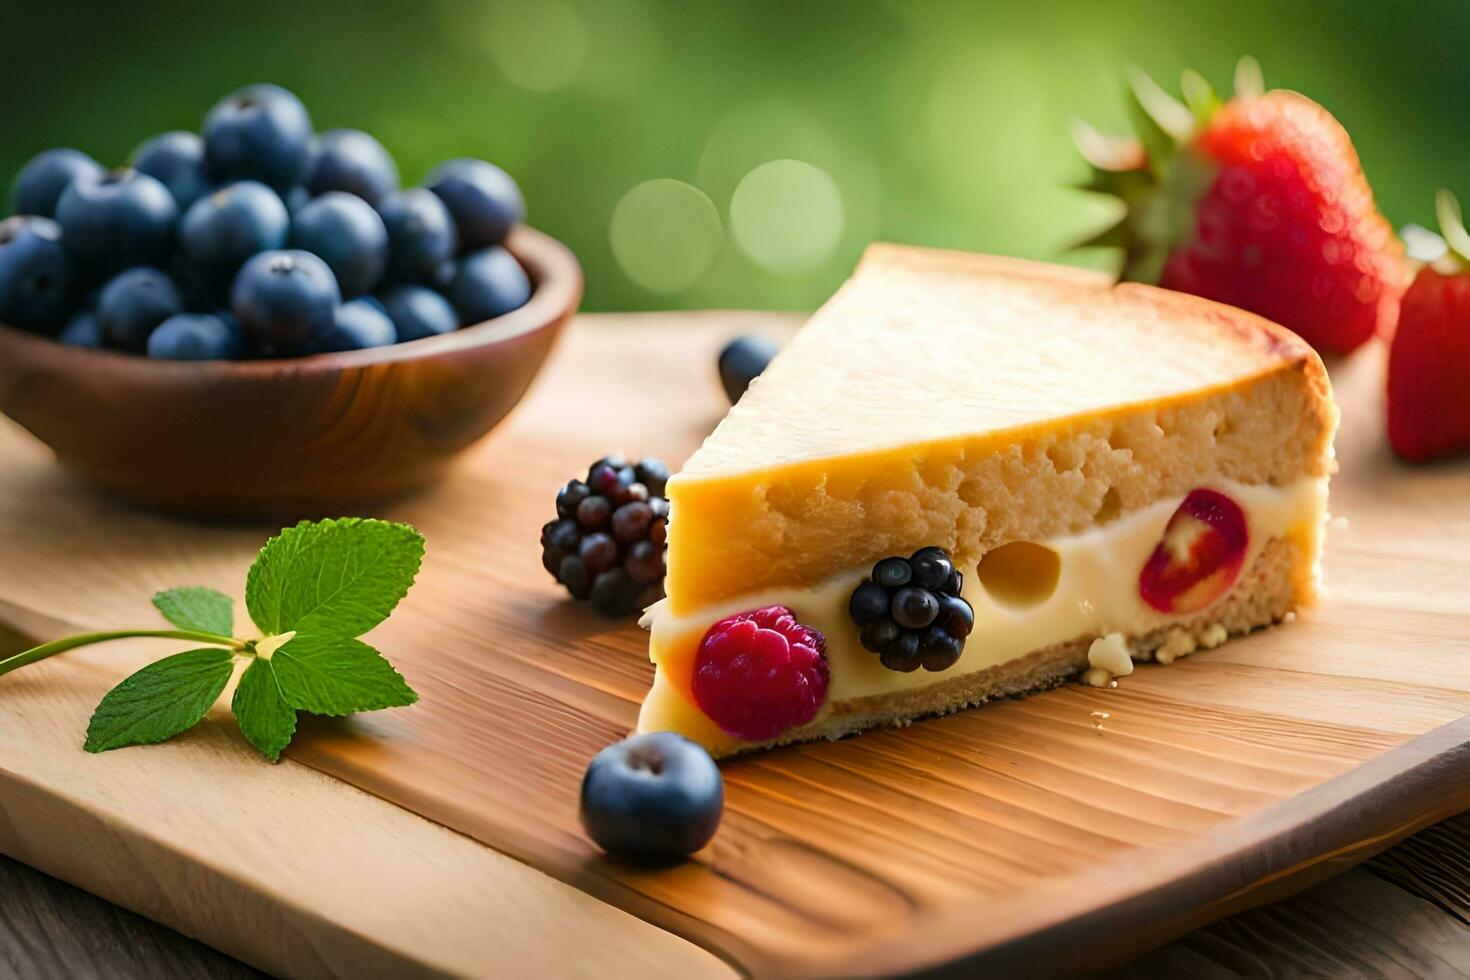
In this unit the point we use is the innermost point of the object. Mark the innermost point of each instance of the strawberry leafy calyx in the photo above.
(1157, 175)
(1451, 219)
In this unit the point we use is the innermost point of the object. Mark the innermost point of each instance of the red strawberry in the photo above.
(1259, 202)
(1429, 357)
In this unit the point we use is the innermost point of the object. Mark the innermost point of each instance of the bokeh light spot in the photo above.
(665, 233)
(787, 216)
(538, 44)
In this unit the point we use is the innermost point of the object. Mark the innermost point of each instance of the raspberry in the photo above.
(607, 543)
(760, 673)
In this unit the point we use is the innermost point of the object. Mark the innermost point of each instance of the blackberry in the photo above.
(911, 613)
(607, 542)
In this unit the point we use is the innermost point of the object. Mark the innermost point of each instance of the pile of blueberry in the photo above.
(607, 542)
(911, 612)
(259, 238)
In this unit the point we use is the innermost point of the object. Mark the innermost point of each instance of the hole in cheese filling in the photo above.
(1020, 574)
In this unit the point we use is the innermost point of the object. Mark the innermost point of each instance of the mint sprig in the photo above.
(312, 591)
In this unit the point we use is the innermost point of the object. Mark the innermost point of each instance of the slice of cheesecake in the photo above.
(1075, 460)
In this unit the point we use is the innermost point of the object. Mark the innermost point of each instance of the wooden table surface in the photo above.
(1405, 914)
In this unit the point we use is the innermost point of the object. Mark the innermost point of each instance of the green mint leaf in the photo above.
(333, 578)
(160, 701)
(264, 718)
(197, 608)
(336, 675)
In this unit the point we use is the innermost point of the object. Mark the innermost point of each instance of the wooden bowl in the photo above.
(311, 436)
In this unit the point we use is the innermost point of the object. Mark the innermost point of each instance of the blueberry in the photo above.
(902, 655)
(197, 337)
(421, 234)
(741, 362)
(133, 303)
(573, 574)
(224, 229)
(955, 585)
(115, 220)
(956, 616)
(352, 161)
(40, 183)
(487, 284)
(201, 291)
(931, 568)
(176, 160)
(913, 608)
(442, 275)
(296, 198)
(653, 473)
(82, 330)
(869, 603)
(37, 276)
(483, 200)
(359, 324)
(285, 301)
(880, 635)
(348, 235)
(570, 496)
(938, 650)
(892, 573)
(258, 133)
(418, 312)
(655, 796)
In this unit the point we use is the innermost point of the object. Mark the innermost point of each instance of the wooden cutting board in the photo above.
(1016, 834)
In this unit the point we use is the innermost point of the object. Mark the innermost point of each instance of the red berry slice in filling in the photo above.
(760, 673)
(1200, 556)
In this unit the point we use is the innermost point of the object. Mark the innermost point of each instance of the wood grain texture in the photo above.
(1404, 913)
(50, 929)
(305, 437)
(898, 850)
(280, 866)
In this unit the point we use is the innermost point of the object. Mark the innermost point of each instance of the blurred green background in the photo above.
(741, 154)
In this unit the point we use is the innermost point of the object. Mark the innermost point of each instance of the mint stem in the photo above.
(84, 639)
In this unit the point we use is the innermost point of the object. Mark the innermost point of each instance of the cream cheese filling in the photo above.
(1095, 594)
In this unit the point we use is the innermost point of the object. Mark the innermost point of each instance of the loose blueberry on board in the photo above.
(910, 611)
(237, 221)
(607, 542)
(41, 181)
(483, 200)
(115, 220)
(487, 284)
(258, 133)
(352, 161)
(346, 233)
(37, 276)
(135, 302)
(82, 330)
(358, 325)
(418, 312)
(741, 362)
(176, 160)
(197, 337)
(761, 673)
(286, 302)
(421, 236)
(652, 797)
